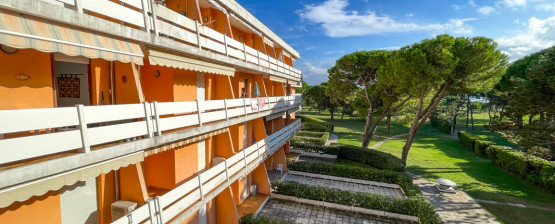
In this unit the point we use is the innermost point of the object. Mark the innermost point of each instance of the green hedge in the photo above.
(250, 219)
(443, 125)
(311, 137)
(314, 148)
(384, 176)
(374, 158)
(532, 168)
(414, 206)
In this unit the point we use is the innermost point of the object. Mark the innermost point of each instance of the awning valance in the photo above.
(42, 186)
(161, 58)
(278, 79)
(20, 31)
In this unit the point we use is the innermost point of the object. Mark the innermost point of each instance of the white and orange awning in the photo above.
(161, 58)
(20, 31)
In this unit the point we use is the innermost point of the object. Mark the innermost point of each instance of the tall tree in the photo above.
(433, 67)
(530, 83)
(319, 96)
(355, 75)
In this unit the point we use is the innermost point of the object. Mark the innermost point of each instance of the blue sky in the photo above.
(324, 30)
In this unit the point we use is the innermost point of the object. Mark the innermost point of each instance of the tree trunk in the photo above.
(472, 118)
(367, 132)
(331, 115)
(388, 124)
(453, 123)
(530, 119)
(342, 114)
(412, 130)
(489, 114)
(467, 109)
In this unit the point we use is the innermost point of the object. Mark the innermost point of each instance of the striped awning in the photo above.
(156, 57)
(20, 31)
(39, 187)
(184, 142)
(278, 79)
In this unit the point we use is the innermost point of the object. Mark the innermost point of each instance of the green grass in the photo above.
(438, 155)
(481, 119)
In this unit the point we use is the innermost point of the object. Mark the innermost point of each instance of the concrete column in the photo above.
(201, 96)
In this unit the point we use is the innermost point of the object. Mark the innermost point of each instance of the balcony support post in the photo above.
(226, 171)
(199, 113)
(200, 187)
(79, 6)
(226, 47)
(83, 129)
(197, 26)
(225, 105)
(145, 5)
(245, 51)
(148, 119)
(245, 106)
(157, 118)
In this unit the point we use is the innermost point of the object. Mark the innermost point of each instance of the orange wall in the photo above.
(106, 195)
(186, 162)
(226, 212)
(43, 209)
(132, 184)
(190, 7)
(223, 144)
(278, 89)
(223, 88)
(157, 89)
(260, 177)
(159, 170)
(185, 85)
(36, 92)
(100, 81)
(237, 135)
(279, 158)
(125, 92)
(268, 163)
(259, 130)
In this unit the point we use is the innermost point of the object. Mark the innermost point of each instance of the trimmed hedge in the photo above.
(250, 219)
(443, 125)
(531, 168)
(384, 176)
(374, 158)
(314, 124)
(414, 206)
(311, 137)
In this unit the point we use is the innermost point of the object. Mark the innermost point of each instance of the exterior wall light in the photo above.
(22, 77)
(156, 73)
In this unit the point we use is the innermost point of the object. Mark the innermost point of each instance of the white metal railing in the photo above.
(174, 25)
(56, 130)
(150, 17)
(166, 207)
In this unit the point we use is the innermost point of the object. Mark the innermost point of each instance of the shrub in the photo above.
(414, 206)
(467, 139)
(250, 219)
(315, 148)
(384, 176)
(374, 158)
(377, 159)
(311, 137)
(480, 147)
(441, 124)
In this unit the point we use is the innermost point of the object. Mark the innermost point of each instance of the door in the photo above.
(71, 80)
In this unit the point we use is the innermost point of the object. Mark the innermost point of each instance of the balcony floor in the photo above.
(251, 204)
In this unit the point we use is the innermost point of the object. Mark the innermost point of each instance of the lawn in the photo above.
(438, 155)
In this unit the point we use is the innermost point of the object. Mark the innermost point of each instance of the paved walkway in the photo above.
(453, 208)
(385, 140)
(315, 160)
(308, 214)
(333, 139)
(346, 186)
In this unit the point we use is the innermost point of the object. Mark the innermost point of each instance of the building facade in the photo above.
(140, 111)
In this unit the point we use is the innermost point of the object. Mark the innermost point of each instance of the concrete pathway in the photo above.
(453, 208)
(333, 139)
(385, 140)
(308, 214)
(343, 185)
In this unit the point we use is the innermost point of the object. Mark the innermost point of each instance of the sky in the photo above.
(324, 30)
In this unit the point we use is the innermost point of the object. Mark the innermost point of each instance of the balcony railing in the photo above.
(58, 130)
(202, 188)
(150, 17)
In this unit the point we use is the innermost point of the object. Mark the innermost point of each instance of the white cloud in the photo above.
(486, 10)
(338, 22)
(472, 3)
(538, 35)
(334, 52)
(410, 15)
(310, 69)
(546, 7)
(311, 47)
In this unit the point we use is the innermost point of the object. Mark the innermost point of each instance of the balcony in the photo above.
(65, 139)
(187, 198)
(138, 19)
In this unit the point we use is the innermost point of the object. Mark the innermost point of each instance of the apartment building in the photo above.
(140, 111)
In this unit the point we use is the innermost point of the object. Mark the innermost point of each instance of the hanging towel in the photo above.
(254, 104)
